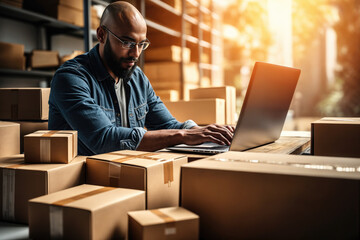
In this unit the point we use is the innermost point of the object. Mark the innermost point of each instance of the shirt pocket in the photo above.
(110, 113)
(141, 111)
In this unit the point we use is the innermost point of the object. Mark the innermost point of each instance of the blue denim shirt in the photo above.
(83, 98)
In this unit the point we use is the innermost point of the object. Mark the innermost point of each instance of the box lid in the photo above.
(162, 215)
(88, 197)
(312, 166)
(338, 120)
(137, 158)
(17, 162)
(8, 124)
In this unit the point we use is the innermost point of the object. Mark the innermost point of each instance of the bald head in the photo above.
(122, 15)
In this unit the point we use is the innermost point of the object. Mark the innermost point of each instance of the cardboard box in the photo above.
(177, 86)
(13, 3)
(44, 59)
(241, 195)
(71, 56)
(336, 137)
(12, 56)
(70, 15)
(9, 138)
(20, 182)
(47, 146)
(27, 127)
(202, 111)
(156, 173)
(24, 103)
(84, 212)
(171, 72)
(227, 92)
(168, 95)
(167, 53)
(164, 223)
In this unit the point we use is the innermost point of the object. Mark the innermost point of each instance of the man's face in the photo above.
(122, 66)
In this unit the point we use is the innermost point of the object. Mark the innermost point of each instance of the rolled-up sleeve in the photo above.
(71, 100)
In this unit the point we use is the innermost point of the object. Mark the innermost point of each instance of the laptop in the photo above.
(263, 113)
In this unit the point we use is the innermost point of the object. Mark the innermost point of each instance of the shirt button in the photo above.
(131, 115)
(118, 114)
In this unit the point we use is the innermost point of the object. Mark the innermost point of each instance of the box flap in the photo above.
(88, 197)
(314, 166)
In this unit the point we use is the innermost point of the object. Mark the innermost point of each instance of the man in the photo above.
(105, 97)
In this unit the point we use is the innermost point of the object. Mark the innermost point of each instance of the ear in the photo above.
(100, 34)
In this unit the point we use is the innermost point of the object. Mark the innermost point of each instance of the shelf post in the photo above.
(88, 41)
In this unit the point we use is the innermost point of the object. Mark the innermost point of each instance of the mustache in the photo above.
(129, 59)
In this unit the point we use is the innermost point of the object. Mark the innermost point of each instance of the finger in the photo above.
(223, 130)
(220, 137)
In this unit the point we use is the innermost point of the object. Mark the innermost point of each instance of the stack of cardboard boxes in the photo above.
(206, 106)
(163, 68)
(70, 11)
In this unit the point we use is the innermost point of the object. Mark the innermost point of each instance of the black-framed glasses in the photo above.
(128, 44)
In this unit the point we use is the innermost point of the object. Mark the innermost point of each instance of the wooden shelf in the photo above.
(25, 73)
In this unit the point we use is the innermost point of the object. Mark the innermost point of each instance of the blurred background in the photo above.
(321, 37)
(222, 39)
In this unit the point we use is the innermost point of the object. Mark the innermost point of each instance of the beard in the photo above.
(114, 63)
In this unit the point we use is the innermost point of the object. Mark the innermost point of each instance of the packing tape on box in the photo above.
(114, 174)
(168, 165)
(8, 192)
(170, 228)
(56, 210)
(337, 168)
(15, 105)
(45, 144)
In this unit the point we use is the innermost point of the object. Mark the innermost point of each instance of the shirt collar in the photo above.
(97, 65)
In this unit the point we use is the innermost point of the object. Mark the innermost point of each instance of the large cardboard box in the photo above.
(202, 111)
(168, 95)
(336, 137)
(24, 103)
(156, 173)
(9, 138)
(12, 56)
(164, 223)
(20, 182)
(227, 92)
(171, 72)
(167, 53)
(27, 127)
(44, 59)
(84, 212)
(47, 146)
(241, 195)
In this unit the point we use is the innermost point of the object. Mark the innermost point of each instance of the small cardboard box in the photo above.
(70, 15)
(164, 223)
(84, 212)
(168, 95)
(20, 182)
(227, 92)
(27, 127)
(47, 146)
(9, 138)
(167, 53)
(336, 137)
(240, 195)
(12, 56)
(156, 173)
(156, 72)
(177, 86)
(44, 59)
(202, 111)
(24, 103)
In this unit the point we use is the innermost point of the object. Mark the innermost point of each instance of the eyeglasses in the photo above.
(130, 45)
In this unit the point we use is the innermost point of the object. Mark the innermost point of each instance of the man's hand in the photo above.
(159, 139)
(212, 133)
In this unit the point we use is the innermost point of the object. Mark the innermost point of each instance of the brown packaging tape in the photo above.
(170, 228)
(45, 150)
(168, 165)
(56, 212)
